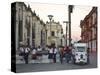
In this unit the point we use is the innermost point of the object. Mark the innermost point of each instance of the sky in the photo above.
(60, 13)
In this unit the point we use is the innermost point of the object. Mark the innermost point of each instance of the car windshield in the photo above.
(81, 49)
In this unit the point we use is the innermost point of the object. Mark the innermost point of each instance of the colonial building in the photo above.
(36, 30)
(29, 23)
(18, 20)
(39, 31)
(29, 30)
(43, 34)
(89, 29)
(54, 33)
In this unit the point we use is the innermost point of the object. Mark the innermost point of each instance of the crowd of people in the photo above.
(52, 51)
(65, 52)
(24, 52)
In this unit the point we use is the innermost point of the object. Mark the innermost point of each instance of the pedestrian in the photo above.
(73, 54)
(70, 53)
(67, 53)
(54, 54)
(50, 56)
(21, 52)
(34, 56)
(39, 54)
(88, 61)
(47, 50)
(39, 48)
(26, 54)
(61, 52)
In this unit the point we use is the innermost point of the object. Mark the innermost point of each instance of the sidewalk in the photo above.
(44, 59)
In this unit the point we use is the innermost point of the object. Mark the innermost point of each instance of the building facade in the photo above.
(29, 23)
(89, 30)
(39, 31)
(18, 11)
(54, 33)
(43, 34)
(29, 30)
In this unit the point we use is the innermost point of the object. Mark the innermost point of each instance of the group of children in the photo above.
(36, 53)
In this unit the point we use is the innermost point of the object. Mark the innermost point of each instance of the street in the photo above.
(36, 67)
(43, 38)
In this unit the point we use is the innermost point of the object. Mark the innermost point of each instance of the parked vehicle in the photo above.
(79, 52)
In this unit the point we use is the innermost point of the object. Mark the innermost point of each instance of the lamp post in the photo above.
(50, 18)
(66, 30)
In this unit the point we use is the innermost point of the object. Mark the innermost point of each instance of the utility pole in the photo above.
(70, 10)
(66, 30)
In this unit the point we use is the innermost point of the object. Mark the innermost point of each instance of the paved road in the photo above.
(36, 67)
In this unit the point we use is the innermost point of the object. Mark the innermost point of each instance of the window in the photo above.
(52, 33)
(80, 49)
(20, 31)
(87, 24)
(33, 31)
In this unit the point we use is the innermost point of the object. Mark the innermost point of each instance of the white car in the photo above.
(80, 53)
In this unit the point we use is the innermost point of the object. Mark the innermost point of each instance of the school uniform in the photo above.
(50, 54)
(34, 54)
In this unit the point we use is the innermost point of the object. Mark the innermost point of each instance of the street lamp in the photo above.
(50, 18)
(66, 30)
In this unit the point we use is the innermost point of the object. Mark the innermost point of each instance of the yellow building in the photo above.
(54, 33)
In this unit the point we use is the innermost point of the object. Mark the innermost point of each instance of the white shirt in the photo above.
(55, 51)
(34, 51)
(39, 49)
(51, 50)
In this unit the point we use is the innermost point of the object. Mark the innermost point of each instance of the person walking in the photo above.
(69, 53)
(54, 54)
(61, 52)
(34, 56)
(50, 57)
(88, 61)
(21, 52)
(26, 54)
(39, 54)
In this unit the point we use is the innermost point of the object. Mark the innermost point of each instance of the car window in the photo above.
(80, 49)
